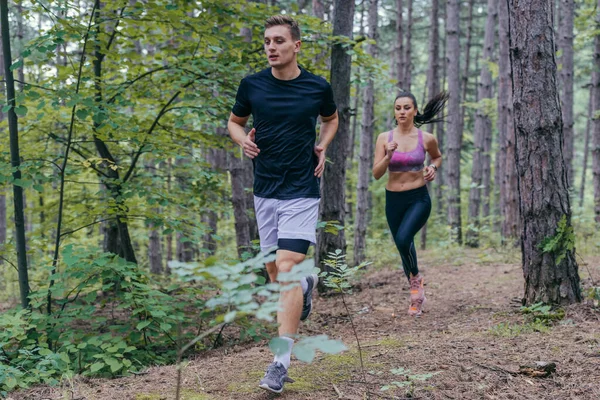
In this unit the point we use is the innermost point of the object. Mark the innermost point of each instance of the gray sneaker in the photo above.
(274, 378)
(312, 281)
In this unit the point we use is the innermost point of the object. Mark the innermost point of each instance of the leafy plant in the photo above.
(338, 279)
(562, 242)
(409, 380)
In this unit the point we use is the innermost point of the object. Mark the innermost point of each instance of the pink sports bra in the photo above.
(407, 161)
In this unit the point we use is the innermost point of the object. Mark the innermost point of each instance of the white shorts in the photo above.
(286, 219)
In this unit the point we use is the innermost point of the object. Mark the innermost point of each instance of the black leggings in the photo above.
(407, 213)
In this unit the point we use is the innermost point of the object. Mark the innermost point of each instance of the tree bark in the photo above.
(465, 74)
(238, 199)
(483, 129)
(408, 48)
(586, 149)
(334, 177)
(399, 48)
(506, 170)
(551, 274)
(15, 158)
(366, 147)
(596, 122)
(454, 119)
(3, 221)
(433, 87)
(154, 242)
(119, 240)
(442, 207)
(318, 10)
(567, 11)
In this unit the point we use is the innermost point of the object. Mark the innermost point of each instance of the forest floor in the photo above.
(469, 344)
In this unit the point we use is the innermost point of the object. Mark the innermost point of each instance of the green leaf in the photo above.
(230, 316)
(21, 111)
(16, 65)
(97, 366)
(165, 327)
(44, 352)
(142, 325)
(82, 113)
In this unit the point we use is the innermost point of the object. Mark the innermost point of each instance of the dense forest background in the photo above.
(132, 190)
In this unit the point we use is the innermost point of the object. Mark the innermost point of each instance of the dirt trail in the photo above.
(468, 345)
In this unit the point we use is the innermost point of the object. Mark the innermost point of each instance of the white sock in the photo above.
(284, 357)
(304, 284)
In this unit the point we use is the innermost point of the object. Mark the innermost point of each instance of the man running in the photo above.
(285, 101)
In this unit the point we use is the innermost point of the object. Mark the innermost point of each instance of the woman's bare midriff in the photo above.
(403, 181)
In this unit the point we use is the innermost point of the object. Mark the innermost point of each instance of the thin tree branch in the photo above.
(160, 114)
(128, 83)
(114, 32)
(64, 166)
(86, 226)
(31, 84)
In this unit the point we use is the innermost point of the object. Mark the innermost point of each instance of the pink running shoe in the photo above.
(417, 296)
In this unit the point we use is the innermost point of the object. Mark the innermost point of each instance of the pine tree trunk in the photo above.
(432, 88)
(465, 74)
(506, 170)
(483, 129)
(169, 238)
(567, 11)
(334, 178)
(550, 276)
(586, 149)
(238, 199)
(3, 221)
(366, 147)
(154, 242)
(317, 9)
(454, 120)
(596, 121)
(13, 129)
(399, 49)
(408, 49)
(442, 207)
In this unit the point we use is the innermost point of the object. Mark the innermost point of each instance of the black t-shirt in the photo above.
(285, 115)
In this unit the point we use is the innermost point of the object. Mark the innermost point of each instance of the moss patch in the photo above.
(320, 374)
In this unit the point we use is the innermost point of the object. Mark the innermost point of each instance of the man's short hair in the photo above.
(277, 20)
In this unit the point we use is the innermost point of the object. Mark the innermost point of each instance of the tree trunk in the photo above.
(483, 129)
(334, 177)
(550, 271)
(21, 43)
(366, 147)
(567, 11)
(442, 208)
(433, 87)
(506, 170)
(596, 121)
(399, 48)
(317, 9)
(408, 48)
(586, 149)
(3, 221)
(119, 241)
(454, 122)
(154, 242)
(465, 75)
(13, 129)
(238, 199)
(169, 238)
